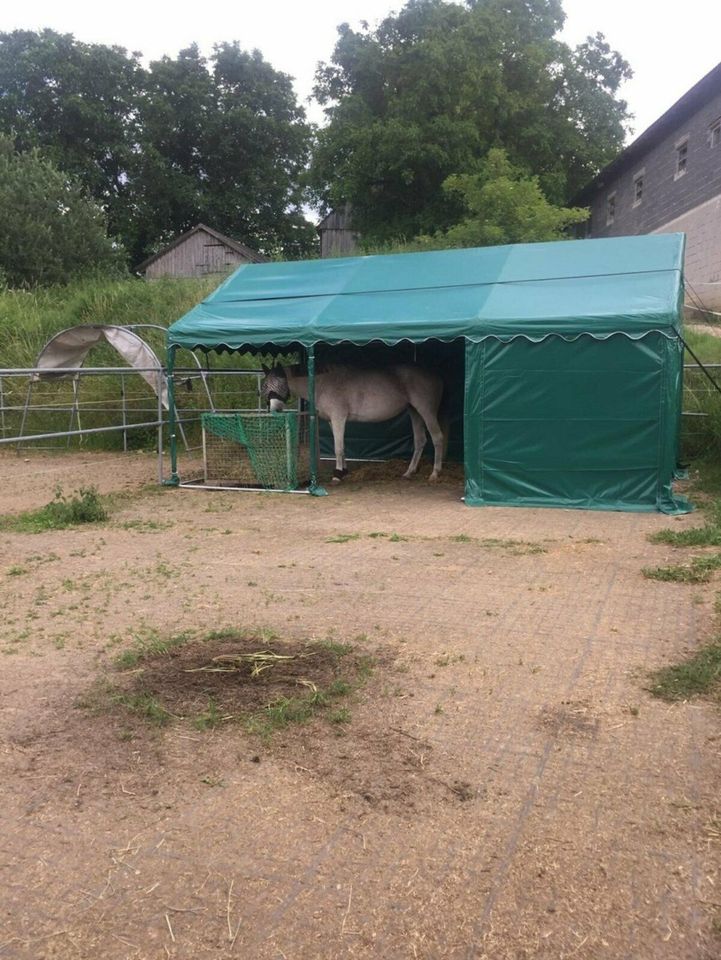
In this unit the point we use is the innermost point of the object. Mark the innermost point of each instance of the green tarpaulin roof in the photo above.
(629, 285)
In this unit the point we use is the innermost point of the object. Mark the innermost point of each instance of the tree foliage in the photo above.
(432, 89)
(504, 206)
(50, 232)
(221, 141)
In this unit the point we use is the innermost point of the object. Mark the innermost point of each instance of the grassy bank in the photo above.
(28, 319)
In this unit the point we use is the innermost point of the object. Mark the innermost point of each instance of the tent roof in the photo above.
(628, 285)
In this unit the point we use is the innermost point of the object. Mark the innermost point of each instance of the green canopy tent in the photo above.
(572, 353)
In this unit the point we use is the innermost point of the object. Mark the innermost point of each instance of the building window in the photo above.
(610, 208)
(714, 133)
(681, 157)
(638, 185)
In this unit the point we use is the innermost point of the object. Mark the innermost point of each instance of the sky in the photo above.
(670, 46)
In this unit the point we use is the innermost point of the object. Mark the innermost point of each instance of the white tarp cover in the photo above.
(69, 348)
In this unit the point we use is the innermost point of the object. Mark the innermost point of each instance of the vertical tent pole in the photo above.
(314, 488)
(173, 480)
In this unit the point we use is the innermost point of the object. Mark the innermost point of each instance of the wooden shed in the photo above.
(337, 239)
(198, 253)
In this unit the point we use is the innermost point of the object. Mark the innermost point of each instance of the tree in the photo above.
(50, 232)
(223, 143)
(504, 206)
(77, 102)
(186, 140)
(435, 87)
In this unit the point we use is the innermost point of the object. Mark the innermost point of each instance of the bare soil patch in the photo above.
(242, 678)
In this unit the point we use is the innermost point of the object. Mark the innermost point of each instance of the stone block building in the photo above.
(669, 180)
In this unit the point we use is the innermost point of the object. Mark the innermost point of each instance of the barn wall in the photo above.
(688, 204)
(702, 269)
(336, 237)
(338, 243)
(198, 256)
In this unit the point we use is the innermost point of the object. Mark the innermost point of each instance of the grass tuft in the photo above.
(709, 535)
(105, 696)
(149, 645)
(698, 675)
(698, 570)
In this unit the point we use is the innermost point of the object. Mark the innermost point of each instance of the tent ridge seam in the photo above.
(446, 286)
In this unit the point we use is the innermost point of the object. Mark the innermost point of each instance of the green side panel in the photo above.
(582, 423)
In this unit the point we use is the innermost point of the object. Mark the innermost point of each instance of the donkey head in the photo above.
(274, 387)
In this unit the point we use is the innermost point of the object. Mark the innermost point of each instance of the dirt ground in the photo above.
(504, 787)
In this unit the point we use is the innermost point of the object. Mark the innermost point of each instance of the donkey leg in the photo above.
(338, 427)
(434, 428)
(419, 442)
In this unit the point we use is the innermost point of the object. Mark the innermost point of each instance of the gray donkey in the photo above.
(345, 393)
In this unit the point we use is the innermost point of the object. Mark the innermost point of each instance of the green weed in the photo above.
(84, 506)
(210, 718)
(146, 706)
(343, 538)
(339, 716)
(283, 712)
(334, 647)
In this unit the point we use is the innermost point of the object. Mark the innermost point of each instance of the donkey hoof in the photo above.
(338, 475)
(434, 478)
(406, 476)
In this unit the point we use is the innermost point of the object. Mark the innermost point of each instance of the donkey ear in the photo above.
(266, 370)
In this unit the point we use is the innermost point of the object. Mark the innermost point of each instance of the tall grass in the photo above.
(701, 434)
(29, 318)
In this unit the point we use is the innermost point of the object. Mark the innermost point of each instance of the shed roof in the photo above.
(628, 285)
(251, 255)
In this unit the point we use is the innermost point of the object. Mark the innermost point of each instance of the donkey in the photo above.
(345, 393)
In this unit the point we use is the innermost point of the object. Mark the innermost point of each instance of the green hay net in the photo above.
(252, 449)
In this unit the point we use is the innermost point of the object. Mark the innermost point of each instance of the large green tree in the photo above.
(77, 102)
(186, 140)
(50, 232)
(433, 88)
(223, 142)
